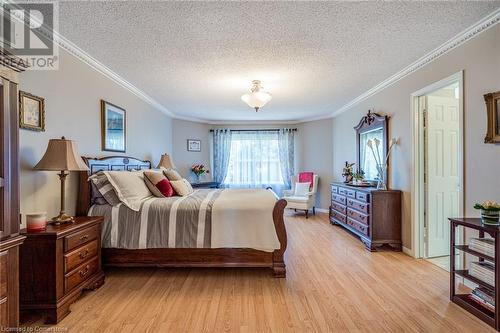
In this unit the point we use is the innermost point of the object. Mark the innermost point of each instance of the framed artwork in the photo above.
(493, 114)
(31, 112)
(193, 145)
(113, 127)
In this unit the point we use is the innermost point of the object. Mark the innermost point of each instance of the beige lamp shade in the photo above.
(166, 162)
(61, 154)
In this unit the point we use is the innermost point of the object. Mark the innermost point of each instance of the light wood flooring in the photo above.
(333, 285)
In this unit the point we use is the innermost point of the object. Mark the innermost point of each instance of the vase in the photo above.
(381, 169)
(490, 217)
(196, 178)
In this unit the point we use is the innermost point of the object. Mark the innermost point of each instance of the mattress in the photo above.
(207, 218)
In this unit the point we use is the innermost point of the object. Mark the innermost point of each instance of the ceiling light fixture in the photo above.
(257, 98)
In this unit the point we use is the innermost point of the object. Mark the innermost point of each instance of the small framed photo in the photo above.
(31, 112)
(193, 145)
(113, 127)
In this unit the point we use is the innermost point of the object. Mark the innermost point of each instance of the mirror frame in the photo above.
(370, 122)
(492, 101)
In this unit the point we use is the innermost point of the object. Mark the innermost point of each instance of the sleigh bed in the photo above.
(128, 251)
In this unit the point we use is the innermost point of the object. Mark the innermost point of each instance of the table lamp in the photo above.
(166, 162)
(61, 155)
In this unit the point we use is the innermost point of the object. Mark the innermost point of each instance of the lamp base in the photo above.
(62, 218)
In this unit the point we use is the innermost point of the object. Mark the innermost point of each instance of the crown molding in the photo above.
(469, 33)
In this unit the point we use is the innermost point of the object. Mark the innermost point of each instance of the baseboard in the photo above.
(322, 210)
(408, 251)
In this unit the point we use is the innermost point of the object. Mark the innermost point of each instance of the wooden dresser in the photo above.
(58, 264)
(373, 215)
(10, 239)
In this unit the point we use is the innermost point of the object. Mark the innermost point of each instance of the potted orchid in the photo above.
(490, 212)
(198, 170)
(374, 145)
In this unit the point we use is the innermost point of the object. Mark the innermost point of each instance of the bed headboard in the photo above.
(107, 163)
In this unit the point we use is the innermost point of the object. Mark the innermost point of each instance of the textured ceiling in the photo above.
(198, 58)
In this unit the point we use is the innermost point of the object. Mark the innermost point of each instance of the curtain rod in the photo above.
(262, 129)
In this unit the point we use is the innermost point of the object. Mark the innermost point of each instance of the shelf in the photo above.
(465, 248)
(465, 274)
(474, 308)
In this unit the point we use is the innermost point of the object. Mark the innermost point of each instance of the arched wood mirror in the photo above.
(372, 127)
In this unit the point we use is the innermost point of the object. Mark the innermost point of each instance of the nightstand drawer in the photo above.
(80, 274)
(3, 276)
(81, 237)
(79, 255)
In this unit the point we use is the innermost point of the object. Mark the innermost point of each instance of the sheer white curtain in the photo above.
(254, 161)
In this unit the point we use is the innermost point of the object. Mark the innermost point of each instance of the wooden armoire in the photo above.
(10, 239)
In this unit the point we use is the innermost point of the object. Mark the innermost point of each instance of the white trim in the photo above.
(407, 251)
(469, 33)
(321, 210)
(417, 190)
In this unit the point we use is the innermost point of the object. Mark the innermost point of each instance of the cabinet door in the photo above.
(9, 161)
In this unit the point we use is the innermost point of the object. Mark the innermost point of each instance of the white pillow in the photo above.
(182, 187)
(301, 189)
(129, 186)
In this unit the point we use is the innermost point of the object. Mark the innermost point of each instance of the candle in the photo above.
(36, 221)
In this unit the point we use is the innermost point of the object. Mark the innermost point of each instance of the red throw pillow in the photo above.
(158, 184)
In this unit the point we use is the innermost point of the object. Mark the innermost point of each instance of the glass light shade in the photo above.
(256, 99)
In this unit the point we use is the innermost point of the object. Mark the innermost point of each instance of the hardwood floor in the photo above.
(332, 284)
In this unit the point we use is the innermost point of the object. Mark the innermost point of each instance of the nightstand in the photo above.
(57, 264)
(205, 185)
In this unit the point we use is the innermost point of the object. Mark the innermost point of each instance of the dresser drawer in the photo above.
(363, 196)
(360, 206)
(358, 226)
(78, 238)
(79, 255)
(339, 208)
(342, 190)
(351, 193)
(335, 189)
(339, 198)
(80, 274)
(354, 214)
(338, 216)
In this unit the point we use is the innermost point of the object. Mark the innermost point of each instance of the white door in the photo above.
(442, 133)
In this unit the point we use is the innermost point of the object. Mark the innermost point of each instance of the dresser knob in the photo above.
(84, 254)
(85, 271)
(84, 237)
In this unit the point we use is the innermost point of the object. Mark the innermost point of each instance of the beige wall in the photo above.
(184, 159)
(316, 155)
(72, 103)
(480, 60)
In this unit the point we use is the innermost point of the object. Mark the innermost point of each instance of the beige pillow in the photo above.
(171, 174)
(182, 187)
(129, 186)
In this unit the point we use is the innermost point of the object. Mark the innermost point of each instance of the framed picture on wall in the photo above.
(193, 145)
(113, 127)
(493, 117)
(31, 112)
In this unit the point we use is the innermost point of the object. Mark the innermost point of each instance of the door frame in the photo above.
(418, 167)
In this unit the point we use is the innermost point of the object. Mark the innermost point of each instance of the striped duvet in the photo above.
(207, 218)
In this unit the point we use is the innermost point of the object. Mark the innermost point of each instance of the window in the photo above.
(254, 160)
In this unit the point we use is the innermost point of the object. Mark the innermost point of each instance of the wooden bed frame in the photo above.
(179, 257)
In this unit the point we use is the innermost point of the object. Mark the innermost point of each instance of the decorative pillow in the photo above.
(129, 186)
(96, 197)
(158, 184)
(182, 187)
(172, 174)
(101, 183)
(301, 189)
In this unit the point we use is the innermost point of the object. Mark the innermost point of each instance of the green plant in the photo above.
(488, 205)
